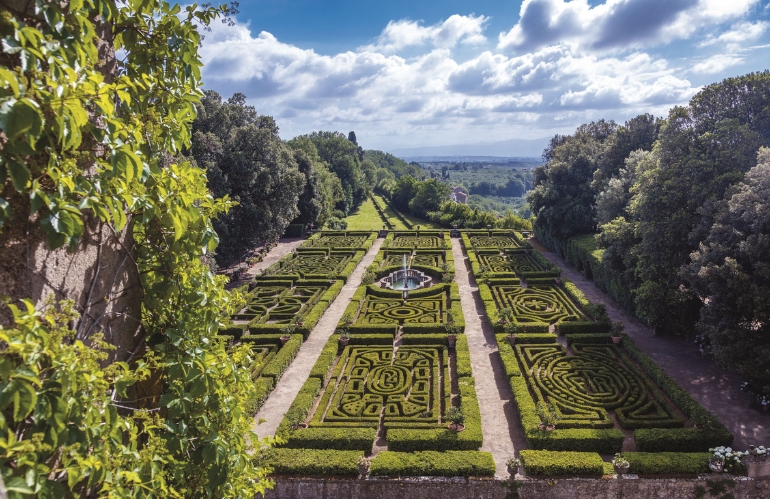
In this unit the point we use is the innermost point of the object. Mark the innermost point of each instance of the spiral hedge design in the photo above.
(280, 304)
(409, 241)
(305, 264)
(516, 263)
(541, 303)
(403, 388)
(494, 242)
(423, 310)
(597, 379)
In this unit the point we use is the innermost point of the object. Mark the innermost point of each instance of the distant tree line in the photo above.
(679, 209)
(310, 179)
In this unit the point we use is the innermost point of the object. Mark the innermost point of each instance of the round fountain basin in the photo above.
(411, 283)
(406, 280)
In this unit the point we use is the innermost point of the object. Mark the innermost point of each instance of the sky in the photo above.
(405, 74)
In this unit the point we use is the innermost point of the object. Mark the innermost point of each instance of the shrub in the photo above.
(658, 463)
(299, 409)
(348, 438)
(263, 388)
(680, 439)
(548, 463)
(312, 462)
(463, 358)
(281, 361)
(431, 463)
(589, 339)
(443, 439)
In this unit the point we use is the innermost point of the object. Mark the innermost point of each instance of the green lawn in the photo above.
(364, 217)
(398, 225)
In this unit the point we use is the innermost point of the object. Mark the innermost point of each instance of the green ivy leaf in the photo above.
(19, 174)
(22, 116)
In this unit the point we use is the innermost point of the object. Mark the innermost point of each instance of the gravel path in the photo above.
(295, 376)
(718, 390)
(499, 420)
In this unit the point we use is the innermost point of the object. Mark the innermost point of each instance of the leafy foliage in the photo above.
(88, 135)
(731, 271)
(246, 160)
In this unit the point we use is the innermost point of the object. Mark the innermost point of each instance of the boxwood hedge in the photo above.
(432, 463)
(548, 463)
(312, 462)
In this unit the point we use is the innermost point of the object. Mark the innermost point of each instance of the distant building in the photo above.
(457, 189)
(459, 197)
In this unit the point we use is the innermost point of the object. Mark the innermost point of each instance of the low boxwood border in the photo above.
(549, 463)
(432, 463)
(312, 462)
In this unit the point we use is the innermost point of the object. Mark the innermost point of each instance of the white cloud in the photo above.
(433, 95)
(717, 63)
(737, 34)
(398, 35)
(615, 24)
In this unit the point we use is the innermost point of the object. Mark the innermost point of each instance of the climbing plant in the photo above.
(94, 94)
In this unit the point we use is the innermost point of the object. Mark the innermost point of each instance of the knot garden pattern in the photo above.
(338, 241)
(517, 263)
(423, 310)
(540, 303)
(417, 242)
(280, 304)
(405, 388)
(597, 379)
(316, 264)
(494, 242)
(428, 259)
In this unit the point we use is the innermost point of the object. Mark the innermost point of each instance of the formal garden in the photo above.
(392, 391)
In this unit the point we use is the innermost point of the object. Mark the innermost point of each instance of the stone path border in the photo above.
(499, 420)
(295, 376)
(718, 390)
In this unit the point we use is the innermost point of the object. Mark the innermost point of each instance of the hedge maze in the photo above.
(494, 242)
(397, 378)
(424, 239)
(310, 265)
(428, 310)
(598, 378)
(281, 304)
(537, 304)
(378, 310)
(402, 388)
(340, 240)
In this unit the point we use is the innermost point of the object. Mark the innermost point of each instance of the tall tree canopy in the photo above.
(730, 273)
(247, 160)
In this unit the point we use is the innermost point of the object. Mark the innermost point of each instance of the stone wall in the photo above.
(442, 488)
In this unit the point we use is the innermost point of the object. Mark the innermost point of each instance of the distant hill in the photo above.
(513, 148)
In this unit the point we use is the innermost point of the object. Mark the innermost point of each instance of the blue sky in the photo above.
(430, 73)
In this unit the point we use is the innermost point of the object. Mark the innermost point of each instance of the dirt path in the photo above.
(285, 246)
(716, 389)
(292, 380)
(499, 419)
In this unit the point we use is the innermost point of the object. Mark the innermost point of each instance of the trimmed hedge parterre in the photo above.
(432, 463)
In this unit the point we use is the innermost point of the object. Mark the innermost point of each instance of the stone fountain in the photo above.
(405, 280)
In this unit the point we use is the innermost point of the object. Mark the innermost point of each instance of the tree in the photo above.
(730, 272)
(247, 161)
(429, 196)
(86, 136)
(403, 192)
(702, 149)
(352, 137)
(343, 159)
(562, 198)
